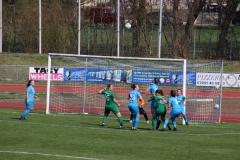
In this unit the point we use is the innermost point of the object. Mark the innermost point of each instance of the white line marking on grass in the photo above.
(46, 154)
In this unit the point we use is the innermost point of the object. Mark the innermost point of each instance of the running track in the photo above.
(22, 88)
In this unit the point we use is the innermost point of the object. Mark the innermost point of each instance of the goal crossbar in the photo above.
(115, 57)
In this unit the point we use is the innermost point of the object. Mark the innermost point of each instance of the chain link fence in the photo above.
(60, 32)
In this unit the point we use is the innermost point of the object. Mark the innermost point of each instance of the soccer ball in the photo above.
(217, 87)
(128, 25)
(216, 106)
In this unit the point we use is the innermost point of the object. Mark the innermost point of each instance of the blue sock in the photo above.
(25, 113)
(165, 123)
(136, 122)
(133, 120)
(174, 122)
(185, 118)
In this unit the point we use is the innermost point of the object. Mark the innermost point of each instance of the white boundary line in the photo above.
(46, 154)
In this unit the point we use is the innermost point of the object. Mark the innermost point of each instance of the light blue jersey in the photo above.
(31, 93)
(152, 88)
(180, 100)
(176, 109)
(133, 99)
(30, 100)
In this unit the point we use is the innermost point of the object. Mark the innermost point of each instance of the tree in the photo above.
(180, 42)
(222, 50)
(194, 9)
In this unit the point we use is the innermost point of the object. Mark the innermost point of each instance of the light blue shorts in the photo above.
(176, 113)
(133, 109)
(29, 105)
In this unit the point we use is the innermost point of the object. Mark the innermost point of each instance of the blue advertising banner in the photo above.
(94, 75)
(166, 77)
(128, 76)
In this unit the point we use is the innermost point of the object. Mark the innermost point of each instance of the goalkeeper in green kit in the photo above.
(111, 105)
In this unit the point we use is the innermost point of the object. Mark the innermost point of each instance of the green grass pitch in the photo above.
(61, 137)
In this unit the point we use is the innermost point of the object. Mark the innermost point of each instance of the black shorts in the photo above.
(141, 110)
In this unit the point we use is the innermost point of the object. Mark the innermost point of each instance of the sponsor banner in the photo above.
(94, 75)
(133, 76)
(41, 74)
(166, 77)
(214, 79)
(128, 76)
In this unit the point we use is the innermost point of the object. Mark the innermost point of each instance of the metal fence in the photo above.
(61, 35)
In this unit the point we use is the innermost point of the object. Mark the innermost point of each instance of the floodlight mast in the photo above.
(79, 27)
(160, 29)
(0, 26)
(40, 26)
(118, 28)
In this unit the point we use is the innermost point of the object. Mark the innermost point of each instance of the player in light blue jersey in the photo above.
(29, 100)
(182, 101)
(175, 112)
(152, 88)
(133, 97)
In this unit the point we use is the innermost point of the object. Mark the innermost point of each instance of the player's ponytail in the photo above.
(29, 83)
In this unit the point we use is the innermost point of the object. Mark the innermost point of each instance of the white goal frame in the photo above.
(184, 69)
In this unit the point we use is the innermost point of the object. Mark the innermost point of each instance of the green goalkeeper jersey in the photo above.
(109, 96)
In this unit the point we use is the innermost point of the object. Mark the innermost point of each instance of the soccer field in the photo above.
(61, 137)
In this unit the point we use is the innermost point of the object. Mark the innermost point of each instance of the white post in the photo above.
(85, 87)
(0, 26)
(79, 27)
(118, 28)
(220, 96)
(184, 84)
(40, 26)
(48, 85)
(160, 29)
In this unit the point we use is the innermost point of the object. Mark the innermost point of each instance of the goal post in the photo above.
(96, 71)
(82, 76)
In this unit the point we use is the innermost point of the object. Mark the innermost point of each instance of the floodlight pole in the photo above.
(40, 26)
(118, 28)
(0, 26)
(79, 27)
(160, 29)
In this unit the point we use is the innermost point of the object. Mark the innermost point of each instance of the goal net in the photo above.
(203, 100)
(76, 91)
